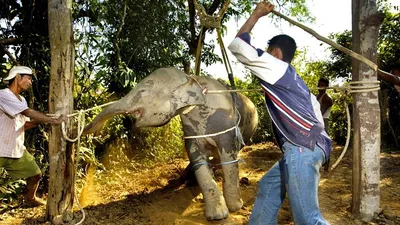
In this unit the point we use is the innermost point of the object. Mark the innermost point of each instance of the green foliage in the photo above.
(388, 44)
(159, 144)
(10, 190)
(310, 72)
(339, 65)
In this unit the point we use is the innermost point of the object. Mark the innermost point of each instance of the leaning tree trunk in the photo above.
(367, 138)
(62, 174)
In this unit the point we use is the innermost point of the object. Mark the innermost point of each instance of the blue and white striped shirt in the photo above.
(293, 109)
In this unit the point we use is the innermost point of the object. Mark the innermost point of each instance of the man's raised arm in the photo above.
(263, 8)
(388, 77)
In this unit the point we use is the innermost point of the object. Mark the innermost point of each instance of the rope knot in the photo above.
(210, 21)
(80, 124)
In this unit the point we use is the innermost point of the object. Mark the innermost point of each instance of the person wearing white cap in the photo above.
(15, 118)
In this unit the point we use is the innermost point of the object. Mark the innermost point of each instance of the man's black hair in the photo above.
(324, 81)
(286, 44)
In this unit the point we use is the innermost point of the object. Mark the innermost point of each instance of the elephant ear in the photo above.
(186, 95)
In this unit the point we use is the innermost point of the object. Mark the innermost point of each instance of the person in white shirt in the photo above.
(325, 101)
(15, 118)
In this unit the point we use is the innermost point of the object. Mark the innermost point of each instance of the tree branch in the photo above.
(11, 41)
(9, 55)
(213, 7)
(192, 14)
(117, 49)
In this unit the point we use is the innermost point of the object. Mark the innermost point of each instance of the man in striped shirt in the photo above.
(298, 128)
(15, 118)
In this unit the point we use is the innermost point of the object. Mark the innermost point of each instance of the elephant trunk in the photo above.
(98, 123)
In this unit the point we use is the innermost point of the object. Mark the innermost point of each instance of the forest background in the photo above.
(118, 43)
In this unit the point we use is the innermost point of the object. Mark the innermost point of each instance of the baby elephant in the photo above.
(214, 125)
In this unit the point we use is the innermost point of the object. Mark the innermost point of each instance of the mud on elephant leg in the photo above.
(231, 187)
(215, 207)
(228, 156)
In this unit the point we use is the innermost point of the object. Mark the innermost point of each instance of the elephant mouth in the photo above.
(137, 113)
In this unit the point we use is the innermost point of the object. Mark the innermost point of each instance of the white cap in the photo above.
(18, 70)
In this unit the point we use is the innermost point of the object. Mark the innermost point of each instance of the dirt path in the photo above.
(128, 193)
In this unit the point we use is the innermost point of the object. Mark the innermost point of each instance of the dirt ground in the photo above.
(128, 193)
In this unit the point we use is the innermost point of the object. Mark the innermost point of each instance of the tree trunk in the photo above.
(367, 138)
(61, 153)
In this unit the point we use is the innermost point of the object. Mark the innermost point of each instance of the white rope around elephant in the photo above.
(218, 164)
(236, 128)
(210, 135)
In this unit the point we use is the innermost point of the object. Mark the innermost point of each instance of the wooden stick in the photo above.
(329, 42)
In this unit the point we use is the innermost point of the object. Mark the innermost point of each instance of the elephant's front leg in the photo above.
(228, 152)
(215, 207)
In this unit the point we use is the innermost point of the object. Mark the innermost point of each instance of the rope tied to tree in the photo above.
(80, 127)
(210, 21)
(80, 121)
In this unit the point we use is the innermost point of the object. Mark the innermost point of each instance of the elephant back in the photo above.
(236, 105)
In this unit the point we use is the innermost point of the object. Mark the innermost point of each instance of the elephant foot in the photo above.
(234, 205)
(216, 210)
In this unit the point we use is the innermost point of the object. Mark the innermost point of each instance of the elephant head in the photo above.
(155, 100)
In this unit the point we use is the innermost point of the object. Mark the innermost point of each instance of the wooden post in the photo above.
(61, 153)
(367, 139)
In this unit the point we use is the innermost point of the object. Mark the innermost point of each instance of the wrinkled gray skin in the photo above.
(168, 92)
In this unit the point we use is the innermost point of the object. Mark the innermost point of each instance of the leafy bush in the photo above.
(158, 144)
(10, 190)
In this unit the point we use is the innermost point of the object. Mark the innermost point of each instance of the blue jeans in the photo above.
(296, 174)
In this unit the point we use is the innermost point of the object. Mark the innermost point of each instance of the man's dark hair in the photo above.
(286, 44)
(9, 82)
(324, 81)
